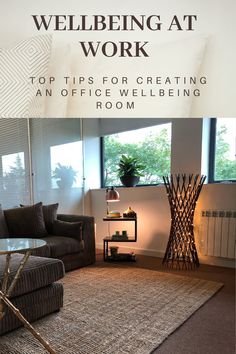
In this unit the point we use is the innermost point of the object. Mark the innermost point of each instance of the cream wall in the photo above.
(151, 206)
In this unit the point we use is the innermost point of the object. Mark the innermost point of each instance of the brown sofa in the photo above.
(69, 238)
(37, 292)
(70, 244)
(86, 252)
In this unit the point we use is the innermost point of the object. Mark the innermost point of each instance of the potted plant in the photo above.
(129, 171)
(65, 176)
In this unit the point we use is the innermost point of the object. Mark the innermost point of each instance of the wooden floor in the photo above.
(211, 330)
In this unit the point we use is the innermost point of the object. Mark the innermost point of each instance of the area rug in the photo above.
(115, 310)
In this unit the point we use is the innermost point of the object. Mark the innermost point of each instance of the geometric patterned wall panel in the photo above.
(17, 64)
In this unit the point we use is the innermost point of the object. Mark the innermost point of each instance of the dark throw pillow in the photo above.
(26, 222)
(3, 226)
(50, 214)
(70, 229)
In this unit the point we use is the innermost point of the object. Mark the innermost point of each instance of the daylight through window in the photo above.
(225, 150)
(66, 166)
(151, 146)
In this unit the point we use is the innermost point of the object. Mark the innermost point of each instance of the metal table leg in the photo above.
(5, 292)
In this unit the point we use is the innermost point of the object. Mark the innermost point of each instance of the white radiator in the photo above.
(218, 233)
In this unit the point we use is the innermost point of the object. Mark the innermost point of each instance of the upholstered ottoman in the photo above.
(37, 292)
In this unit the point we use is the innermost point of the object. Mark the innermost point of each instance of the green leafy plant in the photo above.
(153, 152)
(129, 166)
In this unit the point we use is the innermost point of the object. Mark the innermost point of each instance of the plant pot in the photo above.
(129, 181)
(65, 183)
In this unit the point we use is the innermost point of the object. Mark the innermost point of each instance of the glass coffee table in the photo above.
(8, 246)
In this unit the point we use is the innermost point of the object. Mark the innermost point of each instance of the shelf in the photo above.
(122, 257)
(110, 239)
(119, 219)
(128, 257)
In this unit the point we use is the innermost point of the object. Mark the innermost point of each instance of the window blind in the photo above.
(57, 162)
(41, 160)
(14, 162)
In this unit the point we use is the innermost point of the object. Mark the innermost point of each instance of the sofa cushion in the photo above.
(26, 222)
(50, 214)
(3, 226)
(70, 229)
(33, 306)
(43, 251)
(37, 273)
(60, 245)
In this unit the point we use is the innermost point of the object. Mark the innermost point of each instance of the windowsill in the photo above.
(131, 188)
(222, 182)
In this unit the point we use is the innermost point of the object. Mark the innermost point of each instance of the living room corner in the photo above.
(55, 174)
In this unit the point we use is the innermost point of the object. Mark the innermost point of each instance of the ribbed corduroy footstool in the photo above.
(37, 292)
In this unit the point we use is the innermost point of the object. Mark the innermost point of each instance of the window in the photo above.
(14, 166)
(13, 163)
(152, 146)
(66, 166)
(30, 151)
(57, 162)
(223, 150)
(13, 176)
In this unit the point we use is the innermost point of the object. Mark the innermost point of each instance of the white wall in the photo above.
(91, 151)
(215, 197)
(116, 125)
(186, 146)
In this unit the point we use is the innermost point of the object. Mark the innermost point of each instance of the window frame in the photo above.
(102, 164)
(212, 147)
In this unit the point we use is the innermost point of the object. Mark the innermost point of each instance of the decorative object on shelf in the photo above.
(129, 171)
(129, 213)
(182, 192)
(118, 237)
(65, 176)
(113, 214)
(123, 257)
(114, 250)
(112, 196)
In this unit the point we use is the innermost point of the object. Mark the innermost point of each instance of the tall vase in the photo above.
(182, 192)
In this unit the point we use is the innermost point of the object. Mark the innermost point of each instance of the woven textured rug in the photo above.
(115, 310)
